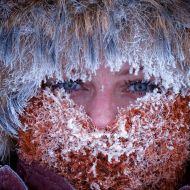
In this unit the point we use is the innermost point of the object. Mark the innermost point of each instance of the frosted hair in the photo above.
(41, 38)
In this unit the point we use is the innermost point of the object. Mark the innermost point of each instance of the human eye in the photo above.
(68, 85)
(140, 86)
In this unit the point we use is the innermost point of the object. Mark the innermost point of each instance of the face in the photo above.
(107, 91)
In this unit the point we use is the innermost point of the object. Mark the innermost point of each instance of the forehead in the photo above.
(105, 73)
(106, 70)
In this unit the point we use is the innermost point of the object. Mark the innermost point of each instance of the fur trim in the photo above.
(5, 146)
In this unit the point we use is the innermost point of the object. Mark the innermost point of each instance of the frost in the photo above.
(144, 134)
(95, 186)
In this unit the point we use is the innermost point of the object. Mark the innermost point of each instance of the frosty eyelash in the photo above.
(67, 85)
(141, 86)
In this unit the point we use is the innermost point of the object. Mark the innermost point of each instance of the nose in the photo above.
(101, 109)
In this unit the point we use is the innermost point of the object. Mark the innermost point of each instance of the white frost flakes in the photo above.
(129, 149)
(146, 126)
(95, 186)
(93, 168)
(170, 147)
(51, 153)
(121, 126)
(71, 125)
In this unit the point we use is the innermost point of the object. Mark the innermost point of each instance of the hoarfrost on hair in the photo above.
(5, 145)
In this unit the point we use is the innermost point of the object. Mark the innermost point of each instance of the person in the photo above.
(94, 94)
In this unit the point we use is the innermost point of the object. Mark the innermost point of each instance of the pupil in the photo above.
(141, 87)
(70, 84)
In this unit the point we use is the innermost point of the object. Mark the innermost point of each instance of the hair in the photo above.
(44, 38)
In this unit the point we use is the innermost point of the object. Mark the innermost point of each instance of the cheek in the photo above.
(123, 100)
(81, 98)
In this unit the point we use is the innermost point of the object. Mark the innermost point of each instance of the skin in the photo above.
(105, 93)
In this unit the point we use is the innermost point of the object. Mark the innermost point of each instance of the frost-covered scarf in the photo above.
(145, 147)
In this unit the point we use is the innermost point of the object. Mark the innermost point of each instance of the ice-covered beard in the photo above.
(146, 147)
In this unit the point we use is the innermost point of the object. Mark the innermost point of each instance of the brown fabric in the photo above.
(9, 180)
(37, 177)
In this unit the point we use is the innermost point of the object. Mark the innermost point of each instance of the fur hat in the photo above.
(44, 38)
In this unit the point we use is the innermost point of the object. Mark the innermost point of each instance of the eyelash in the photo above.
(137, 86)
(68, 85)
(129, 86)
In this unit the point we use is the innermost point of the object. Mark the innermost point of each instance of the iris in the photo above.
(141, 86)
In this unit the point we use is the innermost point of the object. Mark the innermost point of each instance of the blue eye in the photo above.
(140, 86)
